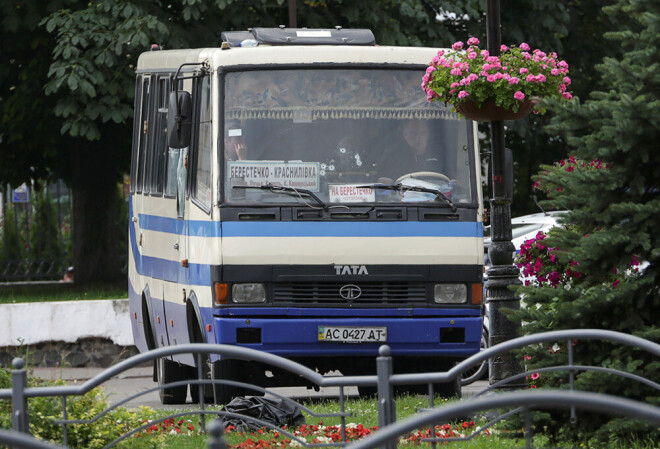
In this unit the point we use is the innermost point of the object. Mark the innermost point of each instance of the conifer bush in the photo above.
(611, 236)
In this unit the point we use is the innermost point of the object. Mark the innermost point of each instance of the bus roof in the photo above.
(166, 60)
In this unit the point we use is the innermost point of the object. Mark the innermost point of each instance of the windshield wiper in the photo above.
(404, 188)
(287, 191)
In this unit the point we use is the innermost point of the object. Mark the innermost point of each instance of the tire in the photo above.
(226, 370)
(168, 371)
(478, 372)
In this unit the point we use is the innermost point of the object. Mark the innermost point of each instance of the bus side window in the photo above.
(160, 141)
(202, 186)
(172, 165)
(137, 130)
(181, 178)
(143, 132)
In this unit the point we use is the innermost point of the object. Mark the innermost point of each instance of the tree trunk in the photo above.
(95, 213)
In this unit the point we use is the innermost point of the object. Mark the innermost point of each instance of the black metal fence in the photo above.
(35, 231)
(384, 381)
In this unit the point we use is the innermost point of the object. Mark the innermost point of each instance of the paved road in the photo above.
(138, 380)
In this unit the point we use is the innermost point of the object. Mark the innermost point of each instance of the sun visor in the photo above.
(309, 36)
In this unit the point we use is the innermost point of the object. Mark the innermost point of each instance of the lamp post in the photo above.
(502, 273)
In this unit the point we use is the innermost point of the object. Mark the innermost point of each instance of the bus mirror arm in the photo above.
(179, 119)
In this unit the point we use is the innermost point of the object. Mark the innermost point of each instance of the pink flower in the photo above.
(503, 48)
(523, 71)
(567, 81)
(457, 46)
(473, 77)
(454, 85)
(540, 78)
(463, 94)
(455, 72)
(472, 55)
(535, 376)
(491, 78)
(473, 41)
(484, 53)
(441, 53)
(554, 72)
(567, 95)
(524, 47)
(514, 80)
(615, 283)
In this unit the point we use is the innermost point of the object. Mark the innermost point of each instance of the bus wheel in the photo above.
(168, 371)
(226, 370)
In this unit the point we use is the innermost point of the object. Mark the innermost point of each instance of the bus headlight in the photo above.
(248, 293)
(450, 293)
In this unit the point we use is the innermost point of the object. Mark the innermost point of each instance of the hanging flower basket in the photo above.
(465, 77)
(490, 112)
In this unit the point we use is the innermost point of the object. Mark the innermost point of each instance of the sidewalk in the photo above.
(83, 374)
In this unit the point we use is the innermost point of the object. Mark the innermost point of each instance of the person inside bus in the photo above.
(416, 139)
(235, 147)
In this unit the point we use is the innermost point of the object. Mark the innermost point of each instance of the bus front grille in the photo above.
(355, 294)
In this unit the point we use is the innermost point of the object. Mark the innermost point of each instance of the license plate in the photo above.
(352, 334)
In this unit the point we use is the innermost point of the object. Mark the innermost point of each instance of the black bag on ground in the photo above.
(271, 410)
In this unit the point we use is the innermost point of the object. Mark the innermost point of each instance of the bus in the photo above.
(293, 191)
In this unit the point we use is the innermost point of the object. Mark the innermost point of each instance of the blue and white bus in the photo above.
(293, 192)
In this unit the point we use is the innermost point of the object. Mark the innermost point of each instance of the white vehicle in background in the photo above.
(525, 228)
(522, 229)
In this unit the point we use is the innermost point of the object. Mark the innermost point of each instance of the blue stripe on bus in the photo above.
(309, 229)
(167, 270)
(200, 274)
(175, 226)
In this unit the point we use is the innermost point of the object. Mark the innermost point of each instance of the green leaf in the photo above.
(72, 82)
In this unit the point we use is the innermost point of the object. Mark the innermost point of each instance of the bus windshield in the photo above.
(346, 135)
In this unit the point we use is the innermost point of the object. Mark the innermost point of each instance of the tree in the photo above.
(611, 190)
(45, 244)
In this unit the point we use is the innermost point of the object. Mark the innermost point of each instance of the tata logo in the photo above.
(350, 291)
(350, 269)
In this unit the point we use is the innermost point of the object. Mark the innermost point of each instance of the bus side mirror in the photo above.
(179, 119)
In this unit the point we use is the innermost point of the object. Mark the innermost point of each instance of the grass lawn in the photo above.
(61, 291)
(184, 432)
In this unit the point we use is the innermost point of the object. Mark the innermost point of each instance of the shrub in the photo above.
(44, 410)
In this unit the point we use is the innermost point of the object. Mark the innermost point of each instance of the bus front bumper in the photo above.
(455, 337)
